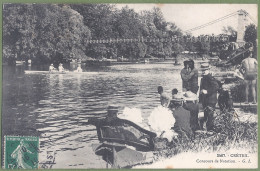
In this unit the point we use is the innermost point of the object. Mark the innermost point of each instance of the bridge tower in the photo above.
(241, 25)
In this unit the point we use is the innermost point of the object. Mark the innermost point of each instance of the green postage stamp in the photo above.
(21, 152)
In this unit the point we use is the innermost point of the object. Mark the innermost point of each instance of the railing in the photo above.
(206, 38)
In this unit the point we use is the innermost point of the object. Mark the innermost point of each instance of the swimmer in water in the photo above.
(165, 100)
(249, 66)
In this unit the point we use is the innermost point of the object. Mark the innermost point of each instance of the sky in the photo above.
(188, 16)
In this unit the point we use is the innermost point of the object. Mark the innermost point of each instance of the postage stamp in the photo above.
(21, 152)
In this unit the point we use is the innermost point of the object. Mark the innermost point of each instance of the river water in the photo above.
(56, 106)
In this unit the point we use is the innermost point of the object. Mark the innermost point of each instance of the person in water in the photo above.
(51, 68)
(61, 69)
(165, 100)
(249, 70)
(79, 69)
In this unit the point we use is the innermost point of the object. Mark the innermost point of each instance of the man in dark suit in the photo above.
(208, 96)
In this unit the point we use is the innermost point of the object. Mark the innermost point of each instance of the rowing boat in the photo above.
(122, 142)
(48, 72)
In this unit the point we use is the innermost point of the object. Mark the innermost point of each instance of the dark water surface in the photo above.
(56, 106)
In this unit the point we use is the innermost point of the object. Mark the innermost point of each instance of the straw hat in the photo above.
(177, 97)
(204, 66)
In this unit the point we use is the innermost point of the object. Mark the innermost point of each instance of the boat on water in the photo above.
(19, 62)
(123, 143)
(44, 72)
(51, 72)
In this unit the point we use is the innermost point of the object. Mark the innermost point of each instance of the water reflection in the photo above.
(56, 106)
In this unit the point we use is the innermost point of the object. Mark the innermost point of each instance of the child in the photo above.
(174, 91)
(165, 101)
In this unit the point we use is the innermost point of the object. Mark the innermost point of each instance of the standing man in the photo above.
(193, 77)
(165, 100)
(249, 66)
(208, 96)
(190, 77)
(184, 72)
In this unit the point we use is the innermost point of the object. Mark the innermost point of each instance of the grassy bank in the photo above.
(229, 133)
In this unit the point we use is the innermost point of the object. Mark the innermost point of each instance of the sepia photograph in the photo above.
(129, 85)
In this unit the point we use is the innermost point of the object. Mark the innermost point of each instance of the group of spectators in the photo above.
(185, 106)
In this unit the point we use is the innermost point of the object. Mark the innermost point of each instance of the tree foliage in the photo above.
(251, 36)
(58, 32)
(250, 33)
(43, 32)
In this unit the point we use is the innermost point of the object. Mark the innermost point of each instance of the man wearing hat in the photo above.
(112, 112)
(208, 96)
(191, 104)
(181, 115)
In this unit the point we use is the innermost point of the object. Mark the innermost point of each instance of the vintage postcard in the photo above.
(140, 85)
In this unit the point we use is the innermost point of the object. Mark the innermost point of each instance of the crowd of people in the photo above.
(187, 104)
(193, 107)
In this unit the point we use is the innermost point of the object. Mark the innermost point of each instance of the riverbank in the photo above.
(233, 144)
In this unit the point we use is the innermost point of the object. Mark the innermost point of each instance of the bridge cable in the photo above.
(212, 22)
(251, 18)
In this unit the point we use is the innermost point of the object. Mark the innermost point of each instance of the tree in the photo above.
(229, 30)
(251, 36)
(250, 33)
(43, 33)
(177, 48)
(205, 47)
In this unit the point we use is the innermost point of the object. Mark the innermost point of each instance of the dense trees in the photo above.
(58, 33)
(43, 33)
